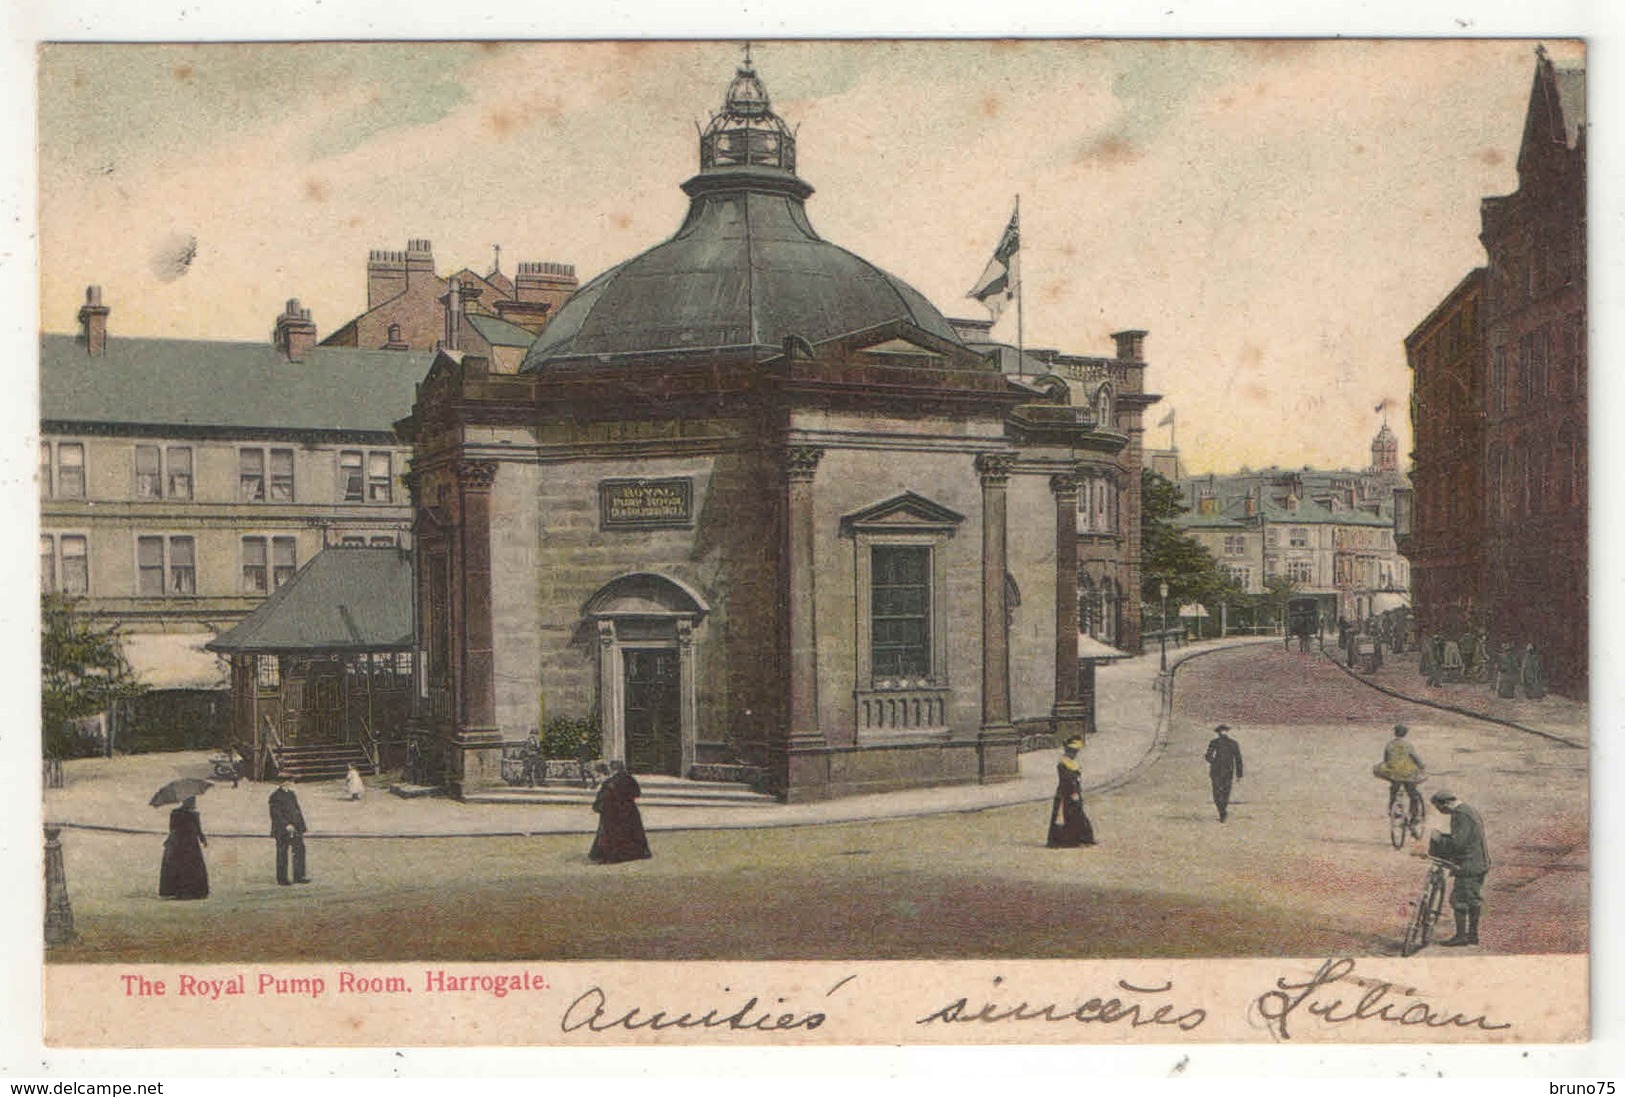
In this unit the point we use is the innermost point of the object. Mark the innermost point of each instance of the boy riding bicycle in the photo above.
(1403, 769)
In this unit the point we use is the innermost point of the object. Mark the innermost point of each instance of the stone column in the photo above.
(994, 469)
(801, 464)
(1068, 714)
(996, 742)
(478, 739)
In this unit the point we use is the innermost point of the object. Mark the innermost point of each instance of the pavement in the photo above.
(111, 794)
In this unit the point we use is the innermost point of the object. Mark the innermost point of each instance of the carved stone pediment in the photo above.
(907, 511)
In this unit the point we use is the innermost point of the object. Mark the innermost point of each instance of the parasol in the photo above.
(179, 789)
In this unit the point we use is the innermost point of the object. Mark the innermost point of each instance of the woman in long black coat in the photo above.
(183, 875)
(1068, 825)
(620, 834)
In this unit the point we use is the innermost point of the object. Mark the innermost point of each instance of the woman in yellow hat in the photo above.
(1068, 825)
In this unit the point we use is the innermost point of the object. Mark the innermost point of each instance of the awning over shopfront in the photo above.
(175, 660)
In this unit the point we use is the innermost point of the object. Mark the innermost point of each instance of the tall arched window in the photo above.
(1498, 483)
(1088, 606)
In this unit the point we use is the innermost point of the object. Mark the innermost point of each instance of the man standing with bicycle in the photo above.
(1402, 768)
(1464, 848)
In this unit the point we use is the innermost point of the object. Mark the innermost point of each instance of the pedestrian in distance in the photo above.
(353, 785)
(288, 828)
(1534, 677)
(1069, 826)
(1450, 663)
(1223, 768)
(1427, 660)
(1464, 847)
(620, 836)
(1506, 672)
(183, 874)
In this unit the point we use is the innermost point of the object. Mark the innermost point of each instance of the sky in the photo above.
(1278, 215)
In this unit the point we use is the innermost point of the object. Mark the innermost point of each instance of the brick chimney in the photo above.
(389, 273)
(539, 290)
(93, 322)
(295, 334)
(395, 341)
(1130, 345)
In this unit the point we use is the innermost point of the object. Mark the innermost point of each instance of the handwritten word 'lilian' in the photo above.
(1277, 1006)
(592, 1011)
(1106, 1011)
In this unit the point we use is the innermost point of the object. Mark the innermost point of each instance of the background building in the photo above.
(1514, 508)
(1330, 532)
(1444, 542)
(183, 481)
(409, 307)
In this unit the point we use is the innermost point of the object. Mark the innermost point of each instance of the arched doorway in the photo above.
(645, 627)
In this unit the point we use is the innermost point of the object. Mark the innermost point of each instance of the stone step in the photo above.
(657, 792)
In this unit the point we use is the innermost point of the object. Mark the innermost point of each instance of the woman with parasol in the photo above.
(183, 875)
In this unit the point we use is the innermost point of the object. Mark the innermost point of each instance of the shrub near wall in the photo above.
(565, 736)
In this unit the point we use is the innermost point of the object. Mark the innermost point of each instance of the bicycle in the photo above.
(1405, 813)
(1427, 908)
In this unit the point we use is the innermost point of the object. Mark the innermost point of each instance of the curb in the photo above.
(1152, 753)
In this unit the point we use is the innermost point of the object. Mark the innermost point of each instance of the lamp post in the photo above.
(1162, 588)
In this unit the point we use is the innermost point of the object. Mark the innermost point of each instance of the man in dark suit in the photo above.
(1469, 856)
(288, 828)
(1223, 767)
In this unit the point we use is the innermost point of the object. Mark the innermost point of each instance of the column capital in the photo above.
(801, 462)
(1065, 483)
(475, 475)
(995, 468)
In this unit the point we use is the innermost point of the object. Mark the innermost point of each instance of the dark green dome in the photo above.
(745, 270)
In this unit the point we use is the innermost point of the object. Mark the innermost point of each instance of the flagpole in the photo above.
(1021, 345)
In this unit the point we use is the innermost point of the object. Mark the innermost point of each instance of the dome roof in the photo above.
(745, 270)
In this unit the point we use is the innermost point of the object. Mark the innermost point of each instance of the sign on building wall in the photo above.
(646, 504)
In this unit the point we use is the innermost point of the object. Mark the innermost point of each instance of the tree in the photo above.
(82, 672)
(1171, 556)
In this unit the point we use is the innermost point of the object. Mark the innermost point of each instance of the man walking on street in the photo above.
(1223, 767)
(288, 828)
(1464, 848)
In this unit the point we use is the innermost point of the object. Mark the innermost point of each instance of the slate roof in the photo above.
(499, 332)
(196, 383)
(344, 599)
(744, 270)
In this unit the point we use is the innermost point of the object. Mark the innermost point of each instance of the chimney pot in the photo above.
(93, 322)
(295, 333)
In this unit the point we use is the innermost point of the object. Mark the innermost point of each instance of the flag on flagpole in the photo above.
(996, 288)
(1381, 407)
(1166, 419)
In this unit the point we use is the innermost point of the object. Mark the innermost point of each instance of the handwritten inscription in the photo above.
(1380, 1001)
(646, 504)
(592, 1012)
(1106, 1011)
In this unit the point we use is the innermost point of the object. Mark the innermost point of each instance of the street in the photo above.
(1303, 867)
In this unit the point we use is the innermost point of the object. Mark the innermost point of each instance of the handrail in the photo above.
(370, 745)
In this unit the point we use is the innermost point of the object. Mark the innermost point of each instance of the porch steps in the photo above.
(658, 791)
(321, 761)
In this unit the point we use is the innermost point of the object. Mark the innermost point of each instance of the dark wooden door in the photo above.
(654, 735)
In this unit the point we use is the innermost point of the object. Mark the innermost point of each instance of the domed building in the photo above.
(752, 509)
